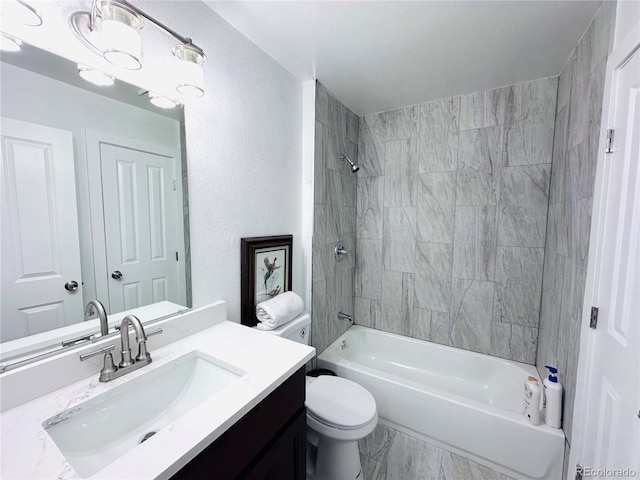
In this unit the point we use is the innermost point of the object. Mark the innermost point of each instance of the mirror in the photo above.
(94, 203)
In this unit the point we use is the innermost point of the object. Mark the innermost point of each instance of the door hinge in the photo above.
(594, 318)
(176, 256)
(609, 145)
(579, 471)
(175, 186)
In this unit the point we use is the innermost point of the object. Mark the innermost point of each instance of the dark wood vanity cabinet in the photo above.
(269, 442)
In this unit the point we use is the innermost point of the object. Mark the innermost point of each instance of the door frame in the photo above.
(94, 139)
(622, 51)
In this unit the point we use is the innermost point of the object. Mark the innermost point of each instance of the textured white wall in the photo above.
(244, 148)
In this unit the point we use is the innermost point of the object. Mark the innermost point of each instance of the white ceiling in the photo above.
(379, 55)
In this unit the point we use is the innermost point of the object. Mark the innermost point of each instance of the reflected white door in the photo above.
(40, 243)
(140, 225)
(612, 420)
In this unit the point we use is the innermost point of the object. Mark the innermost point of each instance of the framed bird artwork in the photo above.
(265, 272)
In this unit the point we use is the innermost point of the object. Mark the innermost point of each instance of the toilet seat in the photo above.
(339, 403)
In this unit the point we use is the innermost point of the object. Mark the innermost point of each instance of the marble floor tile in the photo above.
(433, 276)
(471, 312)
(376, 444)
(518, 285)
(371, 135)
(369, 207)
(400, 123)
(479, 164)
(436, 207)
(369, 268)
(438, 135)
(399, 239)
(370, 468)
(411, 459)
(523, 205)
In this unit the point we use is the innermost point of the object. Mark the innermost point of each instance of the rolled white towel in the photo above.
(279, 310)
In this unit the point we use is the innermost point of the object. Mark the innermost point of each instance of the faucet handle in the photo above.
(143, 354)
(104, 350)
(108, 367)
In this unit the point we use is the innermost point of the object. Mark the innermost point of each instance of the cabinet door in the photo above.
(285, 458)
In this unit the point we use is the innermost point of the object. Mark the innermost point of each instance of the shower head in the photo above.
(354, 167)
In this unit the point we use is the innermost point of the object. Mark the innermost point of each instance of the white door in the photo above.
(40, 243)
(140, 224)
(611, 438)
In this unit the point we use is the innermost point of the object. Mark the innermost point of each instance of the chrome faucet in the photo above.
(141, 339)
(345, 316)
(127, 364)
(96, 306)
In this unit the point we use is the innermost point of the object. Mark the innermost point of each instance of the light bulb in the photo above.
(161, 101)
(96, 77)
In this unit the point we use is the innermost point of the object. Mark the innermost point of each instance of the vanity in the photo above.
(219, 400)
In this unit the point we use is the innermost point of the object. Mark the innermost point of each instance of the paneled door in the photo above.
(140, 226)
(41, 279)
(612, 418)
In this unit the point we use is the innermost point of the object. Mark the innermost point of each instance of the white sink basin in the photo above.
(93, 434)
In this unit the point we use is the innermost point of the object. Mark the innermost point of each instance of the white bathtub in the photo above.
(464, 402)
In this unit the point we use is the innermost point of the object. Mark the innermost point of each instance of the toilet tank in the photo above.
(297, 329)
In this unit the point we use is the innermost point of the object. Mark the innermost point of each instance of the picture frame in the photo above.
(265, 272)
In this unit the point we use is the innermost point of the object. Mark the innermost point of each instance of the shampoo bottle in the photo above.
(552, 399)
(532, 396)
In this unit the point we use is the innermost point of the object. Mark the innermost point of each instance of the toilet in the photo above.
(339, 413)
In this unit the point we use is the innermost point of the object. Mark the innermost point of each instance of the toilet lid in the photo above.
(339, 402)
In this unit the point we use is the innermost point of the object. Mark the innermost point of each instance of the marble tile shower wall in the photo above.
(578, 116)
(336, 132)
(451, 218)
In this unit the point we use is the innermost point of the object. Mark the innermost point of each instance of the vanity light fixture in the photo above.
(192, 75)
(94, 76)
(161, 101)
(112, 29)
(9, 43)
(20, 12)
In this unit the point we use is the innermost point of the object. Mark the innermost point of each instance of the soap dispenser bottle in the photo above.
(552, 407)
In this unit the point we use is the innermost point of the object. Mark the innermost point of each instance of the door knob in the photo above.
(116, 275)
(71, 286)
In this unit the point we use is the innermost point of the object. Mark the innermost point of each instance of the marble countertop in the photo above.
(29, 452)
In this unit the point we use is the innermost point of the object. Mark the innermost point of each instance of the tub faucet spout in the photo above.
(345, 316)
